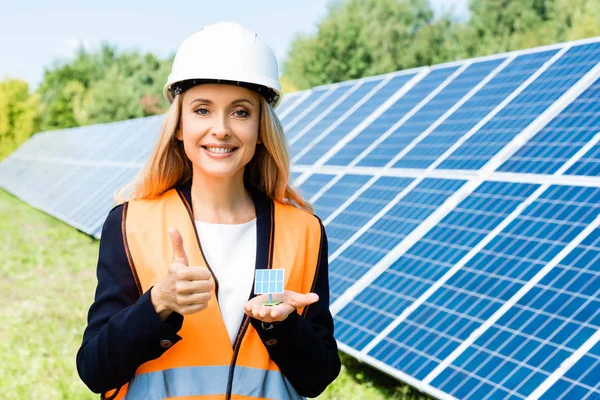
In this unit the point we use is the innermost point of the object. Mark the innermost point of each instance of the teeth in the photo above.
(218, 150)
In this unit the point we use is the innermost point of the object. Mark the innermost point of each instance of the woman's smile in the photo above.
(219, 150)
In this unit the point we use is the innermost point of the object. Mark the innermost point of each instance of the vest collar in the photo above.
(265, 220)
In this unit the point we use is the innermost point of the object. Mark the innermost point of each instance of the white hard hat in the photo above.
(228, 53)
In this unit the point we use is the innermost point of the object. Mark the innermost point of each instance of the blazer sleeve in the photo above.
(123, 331)
(303, 347)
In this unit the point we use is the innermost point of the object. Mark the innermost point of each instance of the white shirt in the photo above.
(230, 250)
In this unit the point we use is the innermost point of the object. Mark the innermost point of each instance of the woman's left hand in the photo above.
(290, 301)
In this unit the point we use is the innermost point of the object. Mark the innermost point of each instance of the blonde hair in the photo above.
(168, 166)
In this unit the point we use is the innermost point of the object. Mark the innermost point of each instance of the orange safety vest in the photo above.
(203, 365)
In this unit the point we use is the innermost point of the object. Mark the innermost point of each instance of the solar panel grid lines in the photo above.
(337, 192)
(373, 116)
(404, 151)
(372, 100)
(288, 102)
(465, 118)
(363, 92)
(322, 108)
(589, 163)
(549, 113)
(412, 112)
(456, 266)
(565, 382)
(571, 129)
(438, 394)
(570, 164)
(530, 282)
(286, 116)
(394, 253)
(315, 98)
(71, 185)
(372, 198)
(497, 109)
(323, 120)
(394, 116)
(526, 107)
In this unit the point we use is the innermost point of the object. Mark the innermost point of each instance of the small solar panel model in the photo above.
(269, 281)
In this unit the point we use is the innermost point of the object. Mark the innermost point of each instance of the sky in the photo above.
(36, 33)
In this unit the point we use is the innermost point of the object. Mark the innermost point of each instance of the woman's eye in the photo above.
(241, 113)
(201, 111)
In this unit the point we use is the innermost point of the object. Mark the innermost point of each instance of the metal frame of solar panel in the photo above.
(462, 207)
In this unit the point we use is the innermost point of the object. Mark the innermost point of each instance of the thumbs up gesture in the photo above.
(184, 289)
(289, 302)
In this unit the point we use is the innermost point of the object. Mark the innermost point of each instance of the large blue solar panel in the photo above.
(338, 194)
(589, 164)
(580, 381)
(391, 116)
(371, 102)
(494, 275)
(370, 311)
(470, 113)
(534, 337)
(421, 265)
(301, 146)
(365, 207)
(525, 108)
(435, 108)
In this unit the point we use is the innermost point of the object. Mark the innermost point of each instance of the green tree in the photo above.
(18, 114)
(358, 38)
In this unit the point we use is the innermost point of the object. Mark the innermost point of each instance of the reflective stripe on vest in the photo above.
(199, 365)
(205, 381)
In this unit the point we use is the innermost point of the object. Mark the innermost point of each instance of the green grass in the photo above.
(47, 282)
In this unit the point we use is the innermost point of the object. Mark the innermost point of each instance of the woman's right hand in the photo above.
(184, 289)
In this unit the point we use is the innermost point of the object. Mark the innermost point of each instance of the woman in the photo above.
(175, 314)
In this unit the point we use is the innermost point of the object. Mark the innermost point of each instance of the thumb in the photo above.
(299, 300)
(178, 251)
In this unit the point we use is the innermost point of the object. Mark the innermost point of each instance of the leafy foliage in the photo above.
(367, 37)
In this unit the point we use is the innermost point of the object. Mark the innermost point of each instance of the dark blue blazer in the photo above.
(124, 330)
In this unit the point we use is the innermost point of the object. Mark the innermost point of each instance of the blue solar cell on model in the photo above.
(588, 165)
(314, 96)
(546, 326)
(314, 184)
(365, 207)
(580, 381)
(371, 101)
(524, 108)
(305, 143)
(435, 108)
(338, 194)
(416, 270)
(324, 103)
(564, 136)
(268, 281)
(437, 142)
(391, 116)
